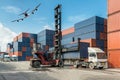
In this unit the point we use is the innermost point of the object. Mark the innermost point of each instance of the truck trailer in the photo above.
(81, 55)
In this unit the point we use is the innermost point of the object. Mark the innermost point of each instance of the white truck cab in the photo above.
(97, 58)
(14, 58)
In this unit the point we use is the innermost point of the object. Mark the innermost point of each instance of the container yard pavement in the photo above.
(20, 71)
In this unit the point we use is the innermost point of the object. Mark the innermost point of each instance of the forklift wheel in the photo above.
(36, 64)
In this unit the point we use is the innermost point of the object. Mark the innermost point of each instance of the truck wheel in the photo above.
(100, 67)
(36, 64)
(60, 63)
(91, 66)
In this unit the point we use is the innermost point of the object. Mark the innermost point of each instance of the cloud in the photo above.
(6, 36)
(11, 9)
(77, 18)
(47, 27)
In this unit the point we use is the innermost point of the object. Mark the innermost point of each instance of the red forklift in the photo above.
(41, 57)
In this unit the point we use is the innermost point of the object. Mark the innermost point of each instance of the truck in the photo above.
(81, 55)
(14, 58)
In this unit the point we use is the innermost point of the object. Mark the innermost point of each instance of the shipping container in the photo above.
(28, 58)
(93, 20)
(92, 42)
(100, 43)
(81, 53)
(21, 58)
(114, 40)
(24, 39)
(103, 36)
(86, 36)
(113, 6)
(46, 37)
(114, 22)
(68, 31)
(24, 49)
(18, 53)
(114, 58)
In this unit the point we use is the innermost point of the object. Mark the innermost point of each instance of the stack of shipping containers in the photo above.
(68, 41)
(46, 38)
(22, 46)
(114, 33)
(94, 31)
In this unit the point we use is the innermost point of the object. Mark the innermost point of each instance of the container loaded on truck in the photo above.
(81, 55)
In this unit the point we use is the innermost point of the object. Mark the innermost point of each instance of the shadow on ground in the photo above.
(25, 76)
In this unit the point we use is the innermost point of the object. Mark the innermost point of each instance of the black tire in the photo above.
(91, 66)
(100, 68)
(36, 64)
(61, 63)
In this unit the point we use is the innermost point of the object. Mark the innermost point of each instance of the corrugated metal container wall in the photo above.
(90, 28)
(46, 37)
(114, 22)
(68, 31)
(67, 39)
(83, 53)
(86, 36)
(86, 22)
(113, 33)
(113, 6)
(114, 59)
(114, 40)
(92, 42)
(71, 55)
(22, 47)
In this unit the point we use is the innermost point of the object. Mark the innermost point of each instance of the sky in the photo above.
(73, 11)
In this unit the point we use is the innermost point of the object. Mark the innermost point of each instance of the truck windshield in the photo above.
(101, 56)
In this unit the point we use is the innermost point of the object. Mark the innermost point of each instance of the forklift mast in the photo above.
(58, 33)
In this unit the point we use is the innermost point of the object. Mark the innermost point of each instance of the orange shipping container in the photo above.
(23, 35)
(23, 49)
(68, 31)
(114, 40)
(114, 59)
(18, 53)
(26, 35)
(113, 6)
(28, 58)
(114, 22)
(103, 36)
(91, 41)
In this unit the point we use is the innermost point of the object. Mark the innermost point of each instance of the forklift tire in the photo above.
(36, 64)
(91, 66)
(61, 63)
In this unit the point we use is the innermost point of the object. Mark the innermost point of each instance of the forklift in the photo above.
(41, 57)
